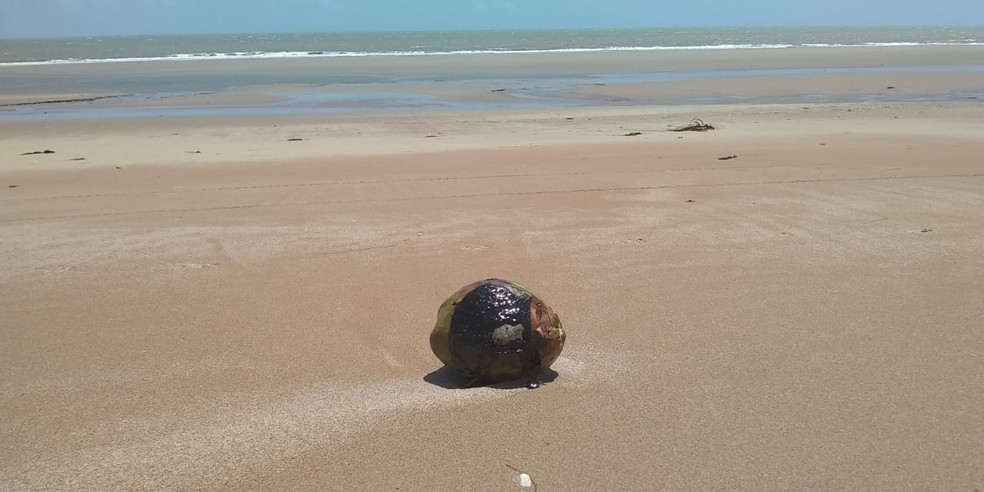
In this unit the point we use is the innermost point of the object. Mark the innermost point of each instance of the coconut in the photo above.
(495, 330)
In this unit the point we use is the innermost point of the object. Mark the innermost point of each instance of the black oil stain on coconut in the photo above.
(491, 321)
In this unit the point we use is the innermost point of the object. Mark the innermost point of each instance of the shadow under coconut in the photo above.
(446, 379)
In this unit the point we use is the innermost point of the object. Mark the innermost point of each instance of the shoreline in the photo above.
(186, 57)
(564, 63)
(285, 87)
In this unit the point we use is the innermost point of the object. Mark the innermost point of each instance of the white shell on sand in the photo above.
(525, 481)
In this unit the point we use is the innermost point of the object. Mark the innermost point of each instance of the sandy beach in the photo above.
(793, 300)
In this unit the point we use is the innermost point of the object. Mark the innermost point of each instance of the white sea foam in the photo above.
(253, 55)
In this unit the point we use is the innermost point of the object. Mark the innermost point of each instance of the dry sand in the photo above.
(255, 315)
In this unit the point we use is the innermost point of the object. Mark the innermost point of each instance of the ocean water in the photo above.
(98, 65)
(431, 43)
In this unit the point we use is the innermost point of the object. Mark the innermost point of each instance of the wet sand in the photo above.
(204, 303)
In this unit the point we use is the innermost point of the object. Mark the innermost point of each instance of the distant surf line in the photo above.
(258, 55)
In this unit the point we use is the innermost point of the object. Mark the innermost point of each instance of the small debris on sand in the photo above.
(36, 152)
(193, 152)
(633, 134)
(78, 159)
(295, 139)
(727, 157)
(525, 480)
(13, 186)
(696, 125)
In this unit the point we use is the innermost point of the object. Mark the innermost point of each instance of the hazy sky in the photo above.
(44, 18)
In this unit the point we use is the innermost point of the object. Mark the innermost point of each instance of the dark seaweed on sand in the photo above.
(696, 125)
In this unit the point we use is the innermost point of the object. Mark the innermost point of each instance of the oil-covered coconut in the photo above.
(495, 330)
